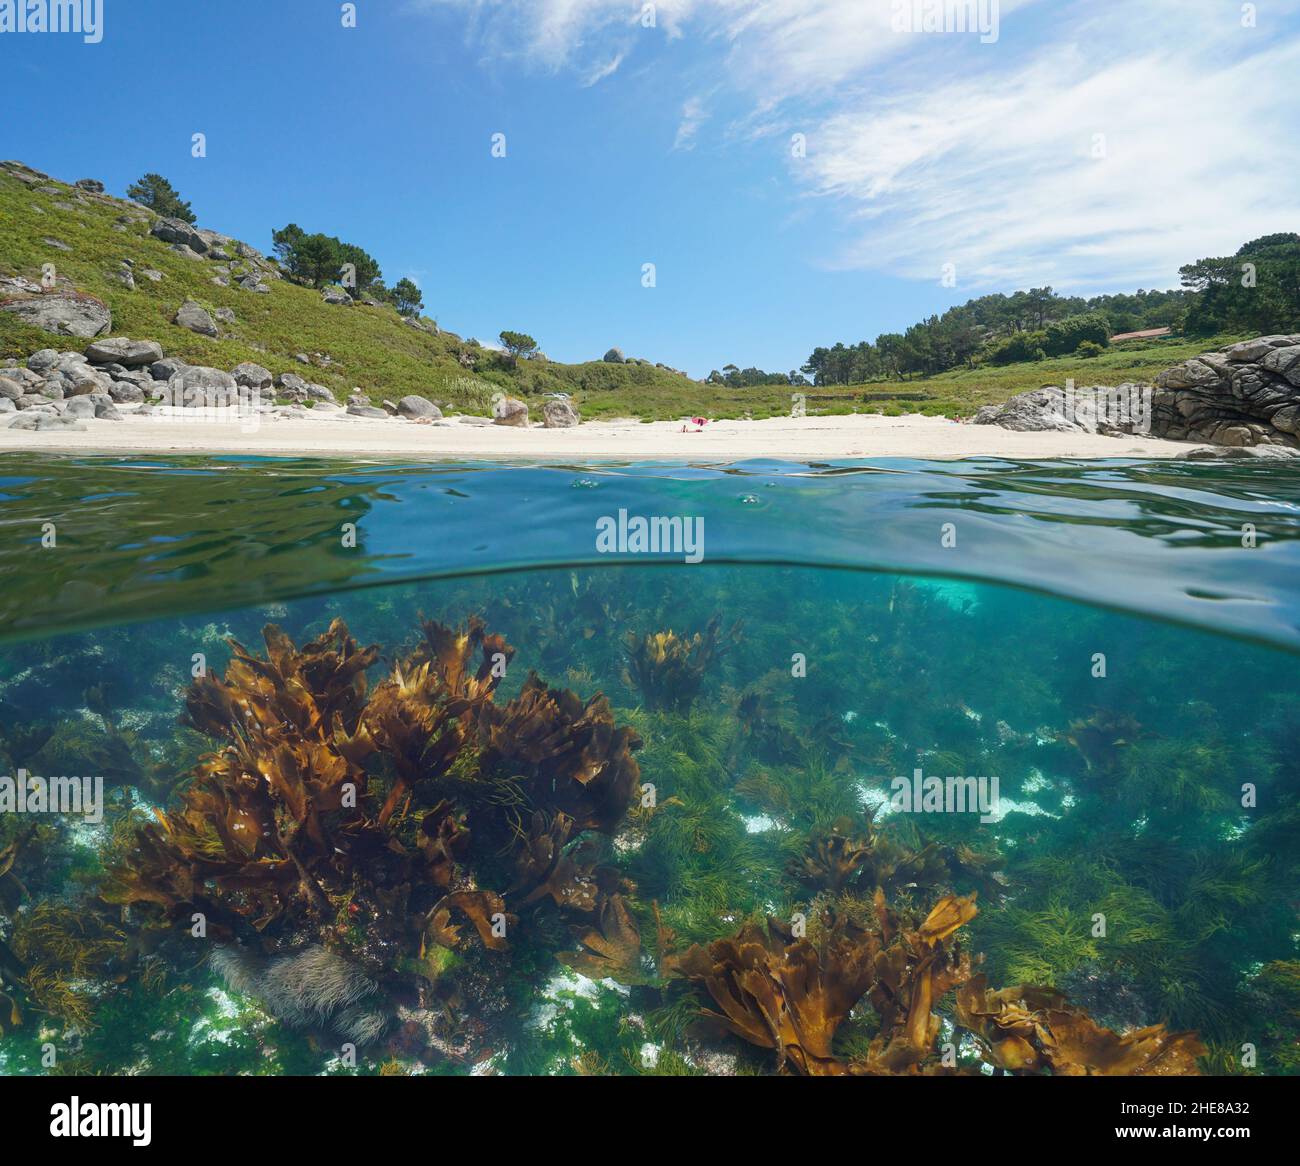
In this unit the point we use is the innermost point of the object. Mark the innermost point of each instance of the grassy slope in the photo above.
(372, 349)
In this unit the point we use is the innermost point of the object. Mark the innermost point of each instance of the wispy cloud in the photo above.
(694, 115)
(597, 75)
(1098, 141)
(1067, 170)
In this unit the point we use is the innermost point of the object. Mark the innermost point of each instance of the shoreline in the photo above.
(833, 438)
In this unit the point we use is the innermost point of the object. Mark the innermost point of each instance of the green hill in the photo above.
(356, 346)
(89, 235)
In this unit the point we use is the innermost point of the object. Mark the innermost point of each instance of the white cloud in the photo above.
(1002, 181)
(937, 149)
(559, 33)
(602, 71)
(694, 115)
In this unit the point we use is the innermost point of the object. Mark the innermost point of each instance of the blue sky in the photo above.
(1092, 145)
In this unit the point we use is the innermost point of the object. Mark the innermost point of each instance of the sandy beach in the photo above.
(796, 439)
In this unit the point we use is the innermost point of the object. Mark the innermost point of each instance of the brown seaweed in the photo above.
(364, 819)
(1028, 1029)
(668, 669)
(783, 993)
(611, 947)
(791, 994)
(861, 857)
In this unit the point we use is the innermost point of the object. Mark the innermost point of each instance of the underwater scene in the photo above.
(940, 770)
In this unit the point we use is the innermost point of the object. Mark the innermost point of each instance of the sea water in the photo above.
(1059, 700)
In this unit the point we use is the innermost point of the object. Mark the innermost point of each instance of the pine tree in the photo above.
(155, 192)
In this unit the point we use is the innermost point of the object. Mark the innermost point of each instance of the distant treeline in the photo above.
(1256, 290)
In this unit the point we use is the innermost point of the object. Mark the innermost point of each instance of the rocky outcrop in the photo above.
(41, 422)
(510, 411)
(128, 353)
(196, 318)
(180, 233)
(135, 374)
(251, 376)
(1038, 411)
(291, 387)
(559, 413)
(63, 313)
(1240, 396)
(417, 408)
(201, 387)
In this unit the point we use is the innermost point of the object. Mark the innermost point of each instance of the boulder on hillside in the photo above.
(196, 318)
(251, 376)
(559, 413)
(201, 387)
(419, 408)
(24, 173)
(63, 313)
(614, 356)
(43, 360)
(510, 411)
(180, 233)
(120, 350)
(168, 367)
(291, 387)
(82, 380)
(126, 393)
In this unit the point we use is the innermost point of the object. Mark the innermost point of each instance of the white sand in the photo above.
(795, 439)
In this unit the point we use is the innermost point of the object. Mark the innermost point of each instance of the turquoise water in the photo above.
(527, 881)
